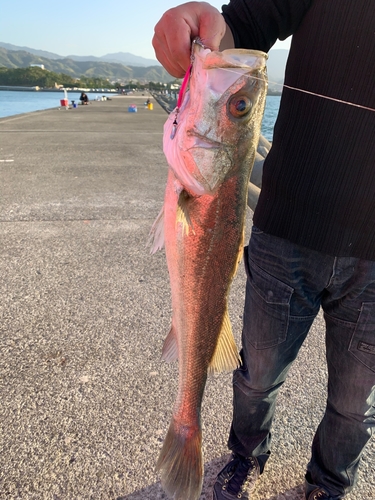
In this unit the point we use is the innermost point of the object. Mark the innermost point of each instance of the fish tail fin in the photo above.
(170, 347)
(225, 357)
(183, 212)
(156, 236)
(180, 462)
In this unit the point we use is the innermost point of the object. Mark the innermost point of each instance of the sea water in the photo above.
(16, 102)
(270, 115)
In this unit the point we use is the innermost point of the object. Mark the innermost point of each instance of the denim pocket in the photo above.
(362, 344)
(266, 316)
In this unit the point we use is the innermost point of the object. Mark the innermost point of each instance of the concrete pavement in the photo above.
(85, 401)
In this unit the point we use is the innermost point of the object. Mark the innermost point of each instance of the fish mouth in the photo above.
(202, 141)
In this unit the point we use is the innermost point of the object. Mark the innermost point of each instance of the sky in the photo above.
(86, 27)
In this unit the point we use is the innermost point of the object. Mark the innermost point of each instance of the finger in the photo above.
(211, 27)
(170, 64)
(176, 30)
(172, 41)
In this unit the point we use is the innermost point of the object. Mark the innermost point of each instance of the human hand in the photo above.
(179, 26)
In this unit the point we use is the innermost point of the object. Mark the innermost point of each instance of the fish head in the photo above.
(221, 115)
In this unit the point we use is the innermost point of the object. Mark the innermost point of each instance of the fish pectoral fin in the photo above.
(170, 347)
(156, 236)
(225, 357)
(183, 212)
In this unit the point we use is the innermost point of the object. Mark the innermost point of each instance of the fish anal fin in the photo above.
(225, 357)
(183, 216)
(170, 347)
(240, 254)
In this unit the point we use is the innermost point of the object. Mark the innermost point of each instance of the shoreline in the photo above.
(19, 88)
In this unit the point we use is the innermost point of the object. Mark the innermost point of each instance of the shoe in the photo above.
(237, 479)
(319, 494)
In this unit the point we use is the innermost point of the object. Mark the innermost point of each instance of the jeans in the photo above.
(286, 286)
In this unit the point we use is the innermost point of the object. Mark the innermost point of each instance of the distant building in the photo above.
(37, 66)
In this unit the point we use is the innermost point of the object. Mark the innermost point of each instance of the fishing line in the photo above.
(305, 91)
(186, 79)
(198, 41)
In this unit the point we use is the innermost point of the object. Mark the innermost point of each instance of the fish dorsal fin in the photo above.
(170, 347)
(225, 357)
(156, 236)
(183, 216)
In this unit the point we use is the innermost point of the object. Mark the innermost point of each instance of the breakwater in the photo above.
(85, 308)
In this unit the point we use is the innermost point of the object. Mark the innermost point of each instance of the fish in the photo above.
(210, 142)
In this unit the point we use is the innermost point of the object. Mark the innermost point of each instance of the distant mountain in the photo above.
(76, 69)
(130, 59)
(120, 57)
(276, 67)
(120, 65)
(40, 53)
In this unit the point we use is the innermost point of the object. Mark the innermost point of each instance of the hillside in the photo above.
(76, 69)
(124, 58)
(115, 67)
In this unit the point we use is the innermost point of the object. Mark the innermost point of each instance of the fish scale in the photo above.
(210, 155)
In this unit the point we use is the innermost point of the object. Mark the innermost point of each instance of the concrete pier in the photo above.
(85, 400)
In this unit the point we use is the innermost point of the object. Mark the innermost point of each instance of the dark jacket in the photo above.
(318, 187)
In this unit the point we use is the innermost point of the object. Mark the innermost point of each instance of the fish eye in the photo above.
(239, 106)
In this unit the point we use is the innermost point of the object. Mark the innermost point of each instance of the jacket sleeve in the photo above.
(257, 24)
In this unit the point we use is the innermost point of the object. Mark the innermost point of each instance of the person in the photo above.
(84, 98)
(313, 238)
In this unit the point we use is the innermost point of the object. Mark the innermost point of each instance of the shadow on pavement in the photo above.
(211, 469)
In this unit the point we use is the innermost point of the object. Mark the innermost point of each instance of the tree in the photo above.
(35, 76)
